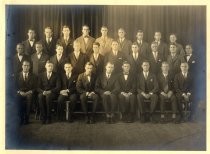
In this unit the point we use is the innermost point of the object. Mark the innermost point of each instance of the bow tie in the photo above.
(125, 73)
(86, 36)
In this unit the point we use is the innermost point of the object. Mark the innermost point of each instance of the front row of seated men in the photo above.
(123, 89)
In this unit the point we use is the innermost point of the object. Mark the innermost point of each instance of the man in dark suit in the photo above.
(162, 46)
(179, 48)
(67, 92)
(190, 58)
(127, 91)
(48, 42)
(86, 41)
(29, 44)
(77, 59)
(108, 88)
(58, 60)
(97, 59)
(86, 88)
(66, 41)
(147, 88)
(124, 44)
(166, 89)
(183, 85)
(116, 57)
(18, 59)
(155, 58)
(174, 60)
(143, 46)
(135, 59)
(39, 59)
(48, 88)
(26, 85)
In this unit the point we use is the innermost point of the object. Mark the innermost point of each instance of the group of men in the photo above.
(116, 72)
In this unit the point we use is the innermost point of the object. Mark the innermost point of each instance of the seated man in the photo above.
(165, 81)
(183, 86)
(127, 93)
(86, 87)
(107, 87)
(68, 92)
(48, 88)
(26, 85)
(147, 88)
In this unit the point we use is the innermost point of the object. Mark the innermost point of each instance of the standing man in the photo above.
(127, 91)
(86, 88)
(124, 44)
(48, 88)
(147, 88)
(48, 41)
(108, 88)
(86, 41)
(166, 88)
(190, 58)
(29, 44)
(66, 41)
(26, 85)
(105, 41)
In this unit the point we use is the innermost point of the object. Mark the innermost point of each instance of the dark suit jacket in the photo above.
(58, 67)
(29, 84)
(78, 64)
(52, 84)
(116, 60)
(162, 81)
(86, 48)
(28, 49)
(155, 65)
(183, 85)
(149, 85)
(127, 85)
(98, 65)
(39, 64)
(67, 49)
(143, 49)
(125, 46)
(135, 64)
(17, 64)
(192, 62)
(49, 49)
(174, 64)
(103, 84)
(163, 49)
(83, 85)
(69, 84)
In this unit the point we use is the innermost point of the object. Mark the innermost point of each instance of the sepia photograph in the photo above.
(105, 77)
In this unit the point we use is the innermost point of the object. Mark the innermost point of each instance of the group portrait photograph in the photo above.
(105, 77)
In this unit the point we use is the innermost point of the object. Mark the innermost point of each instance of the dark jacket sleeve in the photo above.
(98, 86)
(156, 87)
(40, 85)
(79, 85)
(58, 85)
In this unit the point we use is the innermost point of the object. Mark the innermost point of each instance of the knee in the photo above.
(73, 98)
(83, 97)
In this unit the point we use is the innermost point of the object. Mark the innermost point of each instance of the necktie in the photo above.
(25, 77)
(48, 76)
(166, 85)
(155, 55)
(135, 55)
(59, 58)
(48, 41)
(146, 75)
(66, 41)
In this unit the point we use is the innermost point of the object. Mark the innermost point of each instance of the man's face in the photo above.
(88, 69)
(96, 49)
(49, 67)
(139, 36)
(114, 46)
(172, 38)
(126, 68)
(184, 67)
(104, 31)
(121, 33)
(48, 32)
(76, 46)
(85, 30)
(26, 67)
(19, 49)
(157, 36)
(66, 32)
(59, 50)
(135, 48)
(31, 34)
(165, 67)
(39, 48)
(145, 66)
(188, 49)
(154, 47)
(173, 49)
(109, 68)
(68, 68)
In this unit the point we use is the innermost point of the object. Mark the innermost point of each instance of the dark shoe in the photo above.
(162, 121)
(92, 120)
(112, 121)
(142, 118)
(48, 121)
(87, 119)
(43, 121)
(108, 120)
(152, 119)
(176, 121)
(70, 119)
